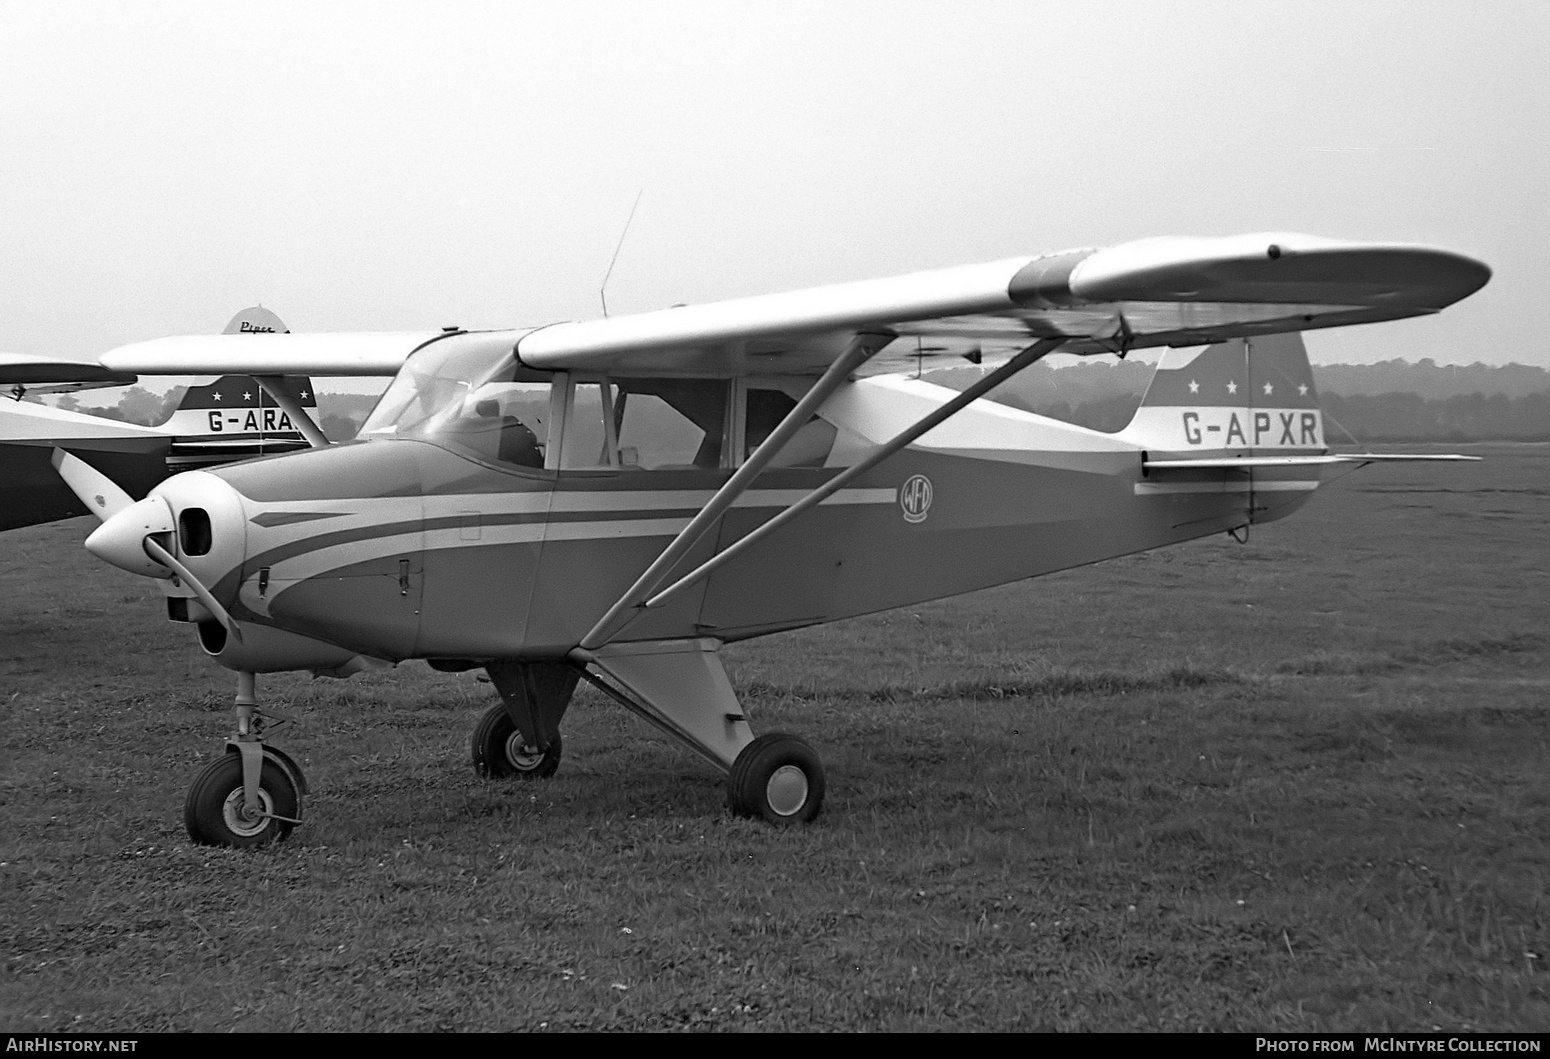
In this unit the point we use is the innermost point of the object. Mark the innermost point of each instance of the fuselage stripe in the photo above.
(1153, 488)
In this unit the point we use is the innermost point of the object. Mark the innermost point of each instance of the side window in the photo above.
(673, 424)
(588, 443)
(767, 406)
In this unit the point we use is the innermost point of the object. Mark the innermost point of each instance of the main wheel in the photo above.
(213, 811)
(500, 752)
(777, 778)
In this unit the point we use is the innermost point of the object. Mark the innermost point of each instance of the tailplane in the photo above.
(1241, 417)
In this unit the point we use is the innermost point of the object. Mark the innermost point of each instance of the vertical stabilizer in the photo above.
(233, 418)
(1246, 397)
(256, 321)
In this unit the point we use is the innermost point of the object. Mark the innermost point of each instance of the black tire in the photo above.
(213, 810)
(500, 753)
(777, 778)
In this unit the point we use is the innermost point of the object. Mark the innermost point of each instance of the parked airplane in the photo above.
(227, 420)
(613, 500)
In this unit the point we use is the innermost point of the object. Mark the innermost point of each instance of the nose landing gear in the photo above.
(252, 794)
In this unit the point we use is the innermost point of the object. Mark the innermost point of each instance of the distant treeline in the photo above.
(1393, 400)
(1389, 401)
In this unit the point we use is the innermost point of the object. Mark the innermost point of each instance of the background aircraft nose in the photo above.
(121, 539)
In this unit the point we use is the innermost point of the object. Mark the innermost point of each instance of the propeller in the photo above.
(101, 494)
(128, 535)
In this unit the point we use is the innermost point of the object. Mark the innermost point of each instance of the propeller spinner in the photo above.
(128, 536)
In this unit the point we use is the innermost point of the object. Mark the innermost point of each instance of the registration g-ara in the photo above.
(614, 500)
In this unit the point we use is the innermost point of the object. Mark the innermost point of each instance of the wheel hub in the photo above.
(237, 817)
(524, 756)
(786, 790)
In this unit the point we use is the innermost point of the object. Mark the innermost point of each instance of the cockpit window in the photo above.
(670, 423)
(471, 396)
(646, 425)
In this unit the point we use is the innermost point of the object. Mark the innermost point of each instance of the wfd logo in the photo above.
(915, 498)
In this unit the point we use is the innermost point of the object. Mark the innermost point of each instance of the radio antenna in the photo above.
(602, 292)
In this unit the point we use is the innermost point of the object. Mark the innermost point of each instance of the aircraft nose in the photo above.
(190, 525)
(121, 539)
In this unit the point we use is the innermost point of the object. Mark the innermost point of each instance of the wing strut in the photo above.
(1042, 348)
(860, 349)
(277, 392)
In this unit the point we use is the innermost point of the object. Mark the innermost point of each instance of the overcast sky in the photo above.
(362, 166)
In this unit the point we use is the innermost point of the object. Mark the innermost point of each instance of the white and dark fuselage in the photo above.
(428, 544)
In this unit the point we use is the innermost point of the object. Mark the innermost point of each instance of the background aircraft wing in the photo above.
(52, 375)
(1169, 291)
(253, 353)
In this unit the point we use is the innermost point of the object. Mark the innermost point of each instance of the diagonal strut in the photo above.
(860, 349)
(1039, 349)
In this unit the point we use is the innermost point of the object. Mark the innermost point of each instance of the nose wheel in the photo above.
(251, 795)
(216, 813)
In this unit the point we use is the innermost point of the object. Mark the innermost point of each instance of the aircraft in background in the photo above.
(614, 500)
(229, 419)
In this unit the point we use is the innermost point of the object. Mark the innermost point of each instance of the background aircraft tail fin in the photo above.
(233, 418)
(1245, 397)
(256, 321)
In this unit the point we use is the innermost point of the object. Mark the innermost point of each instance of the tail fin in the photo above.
(233, 418)
(256, 321)
(1247, 397)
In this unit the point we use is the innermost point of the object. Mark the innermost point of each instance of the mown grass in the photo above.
(1294, 785)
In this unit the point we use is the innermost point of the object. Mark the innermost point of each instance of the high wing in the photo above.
(1174, 291)
(1169, 291)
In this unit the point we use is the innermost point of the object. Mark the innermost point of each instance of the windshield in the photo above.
(468, 393)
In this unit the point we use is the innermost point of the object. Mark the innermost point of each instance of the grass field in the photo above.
(1301, 784)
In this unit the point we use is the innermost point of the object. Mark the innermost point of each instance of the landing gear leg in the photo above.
(681, 687)
(252, 794)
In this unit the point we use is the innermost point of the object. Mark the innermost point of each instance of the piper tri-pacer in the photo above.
(614, 500)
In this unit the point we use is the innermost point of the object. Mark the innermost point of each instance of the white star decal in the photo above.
(1194, 387)
(247, 396)
(1232, 387)
(219, 395)
(1269, 389)
(304, 395)
(1302, 391)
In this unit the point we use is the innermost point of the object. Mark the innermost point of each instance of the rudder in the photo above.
(1245, 397)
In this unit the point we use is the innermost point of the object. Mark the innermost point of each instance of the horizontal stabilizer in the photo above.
(1243, 463)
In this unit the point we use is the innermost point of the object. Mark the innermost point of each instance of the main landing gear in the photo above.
(681, 688)
(776, 778)
(501, 751)
(252, 794)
